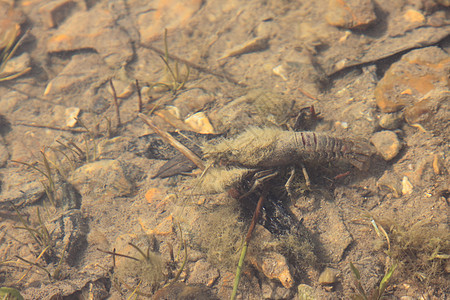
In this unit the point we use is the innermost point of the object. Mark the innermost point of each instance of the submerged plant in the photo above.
(8, 46)
(377, 293)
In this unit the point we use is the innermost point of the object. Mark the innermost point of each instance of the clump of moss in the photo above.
(298, 248)
(221, 235)
(422, 250)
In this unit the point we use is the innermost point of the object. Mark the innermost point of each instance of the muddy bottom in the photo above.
(333, 115)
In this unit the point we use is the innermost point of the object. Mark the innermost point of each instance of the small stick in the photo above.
(245, 246)
(52, 127)
(116, 104)
(307, 94)
(139, 96)
(195, 66)
(176, 144)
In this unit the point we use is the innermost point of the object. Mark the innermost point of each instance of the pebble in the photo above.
(386, 143)
(200, 123)
(102, 179)
(352, 14)
(71, 114)
(16, 65)
(391, 181)
(271, 263)
(407, 187)
(253, 45)
(391, 121)
(93, 29)
(274, 266)
(203, 273)
(328, 276)
(406, 81)
(306, 292)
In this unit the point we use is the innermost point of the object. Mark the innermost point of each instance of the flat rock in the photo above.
(416, 74)
(391, 121)
(93, 29)
(386, 143)
(328, 276)
(350, 13)
(203, 273)
(77, 76)
(20, 188)
(102, 179)
(19, 64)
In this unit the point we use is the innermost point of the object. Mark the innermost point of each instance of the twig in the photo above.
(245, 246)
(53, 127)
(195, 66)
(116, 104)
(177, 145)
(138, 88)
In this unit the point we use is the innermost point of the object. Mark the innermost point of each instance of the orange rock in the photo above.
(413, 16)
(154, 194)
(350, 13)
(274, 266)
(416, 74)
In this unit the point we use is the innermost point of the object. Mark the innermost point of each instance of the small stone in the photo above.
(123, 89)
(254, 45)
(16, 65)
(407, 187)
(392, 182)
(386, 143)
(200, 123)
(203, 273)
(391, 121)
(280, 71)
(351, 14)
(438, 164)
(71, 116)
(155, 194)
(414, 16)
(274, 266)
(305, 292)
(328, 276)
(102, 179)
